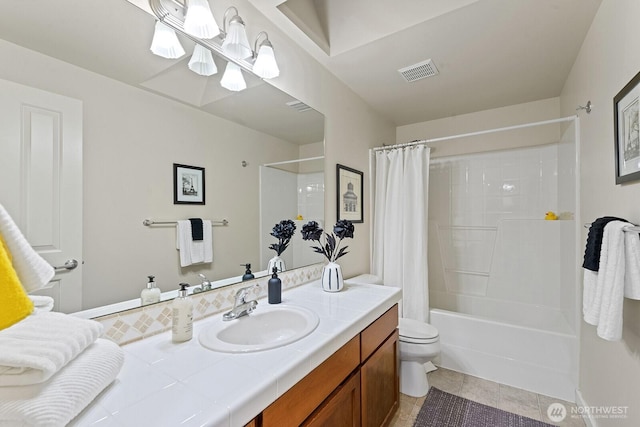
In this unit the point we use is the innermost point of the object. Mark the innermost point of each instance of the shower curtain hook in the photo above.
(587, 107)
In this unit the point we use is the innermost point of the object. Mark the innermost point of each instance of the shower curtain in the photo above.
(399, 253)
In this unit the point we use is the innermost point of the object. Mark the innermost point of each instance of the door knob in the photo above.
(69, 264)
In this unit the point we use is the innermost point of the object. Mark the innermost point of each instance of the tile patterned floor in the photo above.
(490, 393)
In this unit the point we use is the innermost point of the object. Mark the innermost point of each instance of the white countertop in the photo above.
(167, 384)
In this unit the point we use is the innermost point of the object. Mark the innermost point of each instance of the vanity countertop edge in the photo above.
(166, 384)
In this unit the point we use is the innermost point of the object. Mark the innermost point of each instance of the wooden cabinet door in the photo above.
(341, 409)
(380, 384)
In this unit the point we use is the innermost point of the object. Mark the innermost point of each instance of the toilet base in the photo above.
(413, 379)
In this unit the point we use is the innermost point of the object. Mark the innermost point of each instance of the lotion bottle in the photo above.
(150, 294)
(275, 288)
(182, 319)
(248, 275)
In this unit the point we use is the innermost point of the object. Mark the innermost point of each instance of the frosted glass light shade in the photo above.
(201, 62)
(165, 43)
(236, 44)
(232, 78)
(265, 65)
(199, 21)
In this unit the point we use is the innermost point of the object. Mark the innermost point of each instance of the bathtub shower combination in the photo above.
(502, 280)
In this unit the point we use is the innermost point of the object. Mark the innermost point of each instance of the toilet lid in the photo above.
(417, 332)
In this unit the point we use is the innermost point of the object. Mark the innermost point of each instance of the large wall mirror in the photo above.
(140, 115)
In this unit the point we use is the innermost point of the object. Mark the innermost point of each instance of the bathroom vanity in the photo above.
(345, 372)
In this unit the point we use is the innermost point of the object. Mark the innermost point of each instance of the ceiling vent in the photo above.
(419, 71)
(299, 106)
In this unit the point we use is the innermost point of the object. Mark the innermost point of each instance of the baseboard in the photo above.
(580, 402)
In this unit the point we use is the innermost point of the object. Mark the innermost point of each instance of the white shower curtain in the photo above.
(399, 253)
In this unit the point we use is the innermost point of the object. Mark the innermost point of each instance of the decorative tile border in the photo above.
(139, 323)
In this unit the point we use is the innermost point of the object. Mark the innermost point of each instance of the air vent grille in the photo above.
(419, 71)
(299, 106)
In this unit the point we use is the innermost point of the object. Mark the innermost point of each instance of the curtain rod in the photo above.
(294, 161)
(481, 132)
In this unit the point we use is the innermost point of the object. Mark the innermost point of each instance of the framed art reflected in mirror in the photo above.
(188, 185)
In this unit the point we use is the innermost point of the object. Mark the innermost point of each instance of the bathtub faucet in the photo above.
(241, 306)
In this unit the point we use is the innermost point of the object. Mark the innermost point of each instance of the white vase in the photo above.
(276, 261)
(332, 277)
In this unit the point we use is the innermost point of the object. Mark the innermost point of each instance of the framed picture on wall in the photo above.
(350, 194)
(188, 185)
(626, 132)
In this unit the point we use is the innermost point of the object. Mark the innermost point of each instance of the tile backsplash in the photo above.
(133, 325)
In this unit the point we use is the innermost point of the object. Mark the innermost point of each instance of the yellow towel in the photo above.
(15, 305)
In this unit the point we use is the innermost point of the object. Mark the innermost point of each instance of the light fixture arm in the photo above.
(235, 17)
(264, 42)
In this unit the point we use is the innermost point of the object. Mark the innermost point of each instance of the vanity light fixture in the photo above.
(165, 42)
(199, 21)
(187, 17)
(202, 61)
(232, 78)
(265, 66)
(235, 44)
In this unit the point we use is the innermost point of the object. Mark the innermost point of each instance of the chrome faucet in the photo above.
(241, 306)
(204, 286)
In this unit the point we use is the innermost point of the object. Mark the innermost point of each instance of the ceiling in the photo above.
(489, 53)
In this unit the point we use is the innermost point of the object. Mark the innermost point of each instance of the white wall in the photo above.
(608, 59)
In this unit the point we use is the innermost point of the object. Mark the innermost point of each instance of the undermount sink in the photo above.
(269, 326)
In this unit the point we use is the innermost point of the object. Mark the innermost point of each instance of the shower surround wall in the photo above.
(498, 271)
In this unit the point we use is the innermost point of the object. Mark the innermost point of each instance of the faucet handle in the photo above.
(241, 294)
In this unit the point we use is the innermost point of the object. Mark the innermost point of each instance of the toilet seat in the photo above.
(416, 332)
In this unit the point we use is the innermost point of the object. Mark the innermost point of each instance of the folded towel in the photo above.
(594, 242)
(15, 305)
(39, 346)
(608, 298)
(41, 302)
(58, 400)
(632, 262)
(194, 252)
(33, 271)
(196, 228)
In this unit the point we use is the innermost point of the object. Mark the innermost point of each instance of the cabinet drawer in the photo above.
(293, 407)
(376, 333)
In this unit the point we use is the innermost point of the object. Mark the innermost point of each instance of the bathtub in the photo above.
(537, 359)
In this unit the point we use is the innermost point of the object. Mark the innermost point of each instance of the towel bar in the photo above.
(630, 228)
(149, 222)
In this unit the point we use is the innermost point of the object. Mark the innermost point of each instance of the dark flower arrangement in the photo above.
(331, 249)
(283, 231)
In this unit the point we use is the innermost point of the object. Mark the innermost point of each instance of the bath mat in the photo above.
(442, 409)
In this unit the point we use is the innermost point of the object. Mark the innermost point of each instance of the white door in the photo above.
(41, 180)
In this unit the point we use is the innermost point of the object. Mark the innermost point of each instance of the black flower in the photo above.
(283, 231)
(343, 228)
(311, 231)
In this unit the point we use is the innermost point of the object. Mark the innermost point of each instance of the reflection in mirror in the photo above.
(140, 115)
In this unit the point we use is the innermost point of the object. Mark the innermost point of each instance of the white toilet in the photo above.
(419, 344)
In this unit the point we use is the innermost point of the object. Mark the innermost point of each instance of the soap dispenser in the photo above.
(248, 275)
(150, 294)
(182, 319)
(275, 288)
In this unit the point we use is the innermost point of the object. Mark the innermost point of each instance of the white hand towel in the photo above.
(590, 284)
(33, 271)
(41, 302)
(40, 345)
(610, 286)
(194, 251)
(58, 400)
(632, 262)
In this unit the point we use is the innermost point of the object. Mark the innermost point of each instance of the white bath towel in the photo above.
(37, 347)
(33, 271)
(194, 251)
(41, 302)
(605, 310)
(632, 262)
(57, 401)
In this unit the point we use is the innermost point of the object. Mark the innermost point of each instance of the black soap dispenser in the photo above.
(248, 275)
(275, 288)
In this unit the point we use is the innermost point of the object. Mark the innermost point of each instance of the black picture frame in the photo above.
(350, 194)
(626, 123)
(188, 185)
